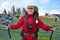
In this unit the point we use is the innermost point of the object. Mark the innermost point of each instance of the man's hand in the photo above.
(6, 27)
(53, 28)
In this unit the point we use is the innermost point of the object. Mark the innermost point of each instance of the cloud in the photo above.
(17, 3)
(24, 3)
(44, 1)
(55, 11)
(42, 12)
(5, 5)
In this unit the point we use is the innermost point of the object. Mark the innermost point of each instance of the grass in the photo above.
(42, 35)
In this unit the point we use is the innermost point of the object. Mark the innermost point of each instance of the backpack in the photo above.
(34, 19)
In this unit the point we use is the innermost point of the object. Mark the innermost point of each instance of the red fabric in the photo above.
(30, 18)
(30, 38)
(41, 25)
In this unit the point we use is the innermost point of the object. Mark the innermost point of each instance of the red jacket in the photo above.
(21, 22)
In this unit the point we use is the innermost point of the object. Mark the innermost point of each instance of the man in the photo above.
(30, 24)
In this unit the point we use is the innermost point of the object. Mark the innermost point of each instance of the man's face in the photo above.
(30, 10)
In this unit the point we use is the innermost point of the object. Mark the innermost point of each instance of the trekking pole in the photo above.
(51, 34)
(52, 30)
(8, 31)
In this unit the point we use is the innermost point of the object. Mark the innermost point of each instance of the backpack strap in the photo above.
(37, 24)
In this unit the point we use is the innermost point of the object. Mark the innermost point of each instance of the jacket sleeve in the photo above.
(41, 25)
(19, 23)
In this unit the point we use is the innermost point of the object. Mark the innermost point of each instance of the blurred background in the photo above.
(12, 10)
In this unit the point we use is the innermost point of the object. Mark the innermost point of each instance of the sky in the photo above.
(45, 6)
